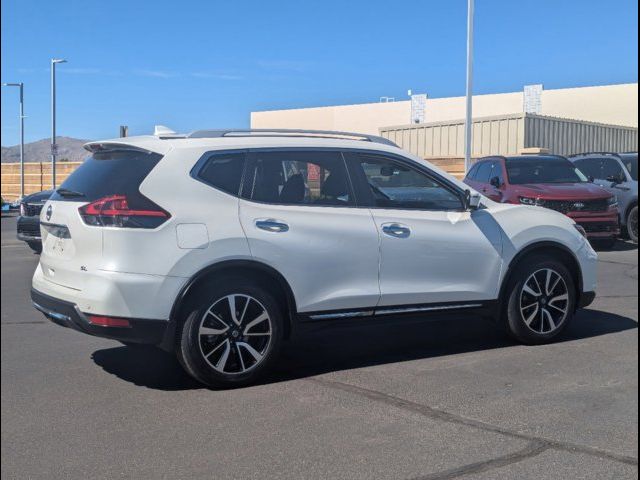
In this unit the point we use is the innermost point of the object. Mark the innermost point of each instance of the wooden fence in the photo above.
(37, 177)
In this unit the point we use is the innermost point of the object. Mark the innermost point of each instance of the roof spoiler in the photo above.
(95, 147)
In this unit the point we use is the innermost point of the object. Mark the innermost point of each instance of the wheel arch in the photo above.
(631, 206)
(268, 276)
(551, 249)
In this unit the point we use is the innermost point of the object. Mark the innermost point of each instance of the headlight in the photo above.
(581, 229)
(536, 202)
(613, 202)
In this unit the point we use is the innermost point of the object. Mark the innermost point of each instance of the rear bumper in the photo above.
(28, 229)
(68, 315)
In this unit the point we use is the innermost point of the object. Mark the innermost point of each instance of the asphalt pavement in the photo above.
(406, 400)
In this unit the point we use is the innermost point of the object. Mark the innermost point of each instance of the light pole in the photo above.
(54, 148)
(21, 86)
(468, 141)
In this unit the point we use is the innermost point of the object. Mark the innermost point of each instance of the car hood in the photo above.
(39, 197)
(562, 191)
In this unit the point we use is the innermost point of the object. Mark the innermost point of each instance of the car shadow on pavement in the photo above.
(330, 348)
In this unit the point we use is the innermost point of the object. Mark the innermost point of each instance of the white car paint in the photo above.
(332, 258)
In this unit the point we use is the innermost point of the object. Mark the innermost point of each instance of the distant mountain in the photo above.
(69, 149)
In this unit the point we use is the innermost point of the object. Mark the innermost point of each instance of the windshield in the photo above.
(631, 162)
(543, 170)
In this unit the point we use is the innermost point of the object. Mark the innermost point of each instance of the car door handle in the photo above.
(271, 225)
(396, 230)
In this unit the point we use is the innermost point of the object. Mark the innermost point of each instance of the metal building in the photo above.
(510, 134)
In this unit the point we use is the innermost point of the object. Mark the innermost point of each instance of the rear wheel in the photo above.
(541, 302)
(232, 335)
(632, 224)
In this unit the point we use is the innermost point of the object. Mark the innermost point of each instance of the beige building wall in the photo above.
(610, 104)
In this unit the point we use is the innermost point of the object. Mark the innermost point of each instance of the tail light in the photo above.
(114, 211)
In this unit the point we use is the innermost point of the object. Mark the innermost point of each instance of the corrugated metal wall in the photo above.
(566, 137)
(509, 134)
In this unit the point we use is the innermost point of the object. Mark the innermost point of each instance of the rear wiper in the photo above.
(65, 192)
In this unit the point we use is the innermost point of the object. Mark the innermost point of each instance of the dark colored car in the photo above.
(553, 182)
(29, 219)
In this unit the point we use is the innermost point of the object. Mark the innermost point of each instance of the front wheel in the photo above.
(232, 335)
(632, 224)
(541, 302)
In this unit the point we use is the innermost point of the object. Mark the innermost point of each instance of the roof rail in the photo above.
(282, 132)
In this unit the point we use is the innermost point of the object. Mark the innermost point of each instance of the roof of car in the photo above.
(515, 158)
(163, 141)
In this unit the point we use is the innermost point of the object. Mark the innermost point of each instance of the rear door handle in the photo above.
(396, 230)
(271, 225)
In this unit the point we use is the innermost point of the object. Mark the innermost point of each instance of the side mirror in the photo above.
(591, 179)
(495, 181)
(615, 179)
(387, 171)
(471, 200)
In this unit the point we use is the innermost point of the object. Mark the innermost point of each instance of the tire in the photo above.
(526, 320)
(222, 351)
(35, 246)
(632, 224)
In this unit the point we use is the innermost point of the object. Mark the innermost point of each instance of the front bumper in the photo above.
(28, 229)
(598, 225)
(69, 315)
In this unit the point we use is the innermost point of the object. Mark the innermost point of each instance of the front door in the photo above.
(432, 250)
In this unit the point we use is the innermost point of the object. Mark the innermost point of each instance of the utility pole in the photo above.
(54, 147)
(21, 86)
(468, 143)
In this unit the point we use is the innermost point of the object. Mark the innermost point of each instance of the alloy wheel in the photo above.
(544, 301)
(235, 334)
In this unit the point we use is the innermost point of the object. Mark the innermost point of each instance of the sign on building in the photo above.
(533, 98)
(418, 108)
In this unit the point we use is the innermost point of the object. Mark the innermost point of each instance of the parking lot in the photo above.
(409, 400)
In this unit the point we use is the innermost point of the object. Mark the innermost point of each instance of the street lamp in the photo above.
(54, 148)
(468, 141)
(21, 86)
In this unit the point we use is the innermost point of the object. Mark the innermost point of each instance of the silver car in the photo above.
(618, 173)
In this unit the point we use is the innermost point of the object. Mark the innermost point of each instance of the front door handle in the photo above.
(271, 225)
(396, 230)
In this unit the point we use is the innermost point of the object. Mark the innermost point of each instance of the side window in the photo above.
(391, 184)
(223, 171)
(473, 172)
(591, 167)
(484, 172)
(299, 178)
(611, 168)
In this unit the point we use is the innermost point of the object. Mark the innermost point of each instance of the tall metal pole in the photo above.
(54, 151)
(21, 86)
(468, 144)
(53, 124)
(21, 140)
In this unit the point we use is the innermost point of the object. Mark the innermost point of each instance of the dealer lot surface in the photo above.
(437, 400)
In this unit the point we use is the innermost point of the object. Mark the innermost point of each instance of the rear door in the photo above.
(299, 215)
(102, 193)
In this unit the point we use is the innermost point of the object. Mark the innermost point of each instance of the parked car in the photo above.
(618, 173)
(29, 219)
(552, 182)
(219, 245)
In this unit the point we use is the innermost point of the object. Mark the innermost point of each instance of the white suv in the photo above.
(216, 245)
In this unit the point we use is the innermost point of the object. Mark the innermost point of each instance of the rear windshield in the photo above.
(543, 170)
(107, 173)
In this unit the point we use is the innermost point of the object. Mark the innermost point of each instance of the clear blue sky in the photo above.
(208, 64)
